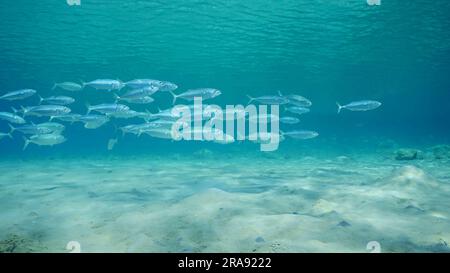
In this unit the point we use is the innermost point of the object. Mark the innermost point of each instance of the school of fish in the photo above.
(138, 91)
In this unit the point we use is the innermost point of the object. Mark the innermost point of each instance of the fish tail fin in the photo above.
(116, 97)
(123, 132)
(83, 84)
(122, 84)
(279, 93)
(54, 86)
(24, 110)
(51, 118)
(339, 107)
(27, 142)
(41, 99)
(12, 129)
(88, 106)
(14, 110)
(250, 99)
(174, 97)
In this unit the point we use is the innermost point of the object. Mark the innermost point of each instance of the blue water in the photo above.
(330, 51)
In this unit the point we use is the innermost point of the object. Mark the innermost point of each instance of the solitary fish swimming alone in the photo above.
(364, 105)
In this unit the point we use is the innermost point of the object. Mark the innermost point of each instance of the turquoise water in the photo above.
(199, 197)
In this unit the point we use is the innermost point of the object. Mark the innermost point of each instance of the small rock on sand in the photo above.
(408, 154)
(441, 152)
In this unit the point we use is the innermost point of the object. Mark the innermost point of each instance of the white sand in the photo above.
(229, 205)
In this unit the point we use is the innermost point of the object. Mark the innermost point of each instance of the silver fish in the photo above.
(145, 116)
(19, 94)
(108, 108)
(93, 125)
(30, 129)
(111, 143)
(301, 134)
(297, 100)
(226, 139)
(54, 127)
(364, 105)
(204, 93)
(68, 117)
(69, 86)
(57, 100)
(124, 114)
(93, 121)
(45, 110)
(12, 118)
(130, 129)
(137, 93)
(289, 120)
(280, 100)
(143, 100)
(168, 115)
(2, 135)
(44, 140)
(162, 114)
(160, 133)
(143, 83)
(105, 84)
(297, 110)
(167, 86)
(165, 124)
(138, 129)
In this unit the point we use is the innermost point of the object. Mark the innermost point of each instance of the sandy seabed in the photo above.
(240, 204)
